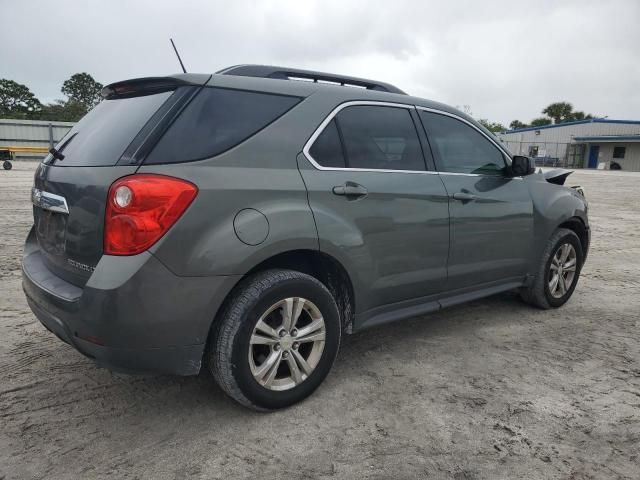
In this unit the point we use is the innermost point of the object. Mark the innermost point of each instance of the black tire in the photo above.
(538, 293)
(228, 350)
(7, 165)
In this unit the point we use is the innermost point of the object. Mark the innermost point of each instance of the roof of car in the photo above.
(302, 83)
(342, 93)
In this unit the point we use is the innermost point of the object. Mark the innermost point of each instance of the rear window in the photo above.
(100, 138)
(217, 120)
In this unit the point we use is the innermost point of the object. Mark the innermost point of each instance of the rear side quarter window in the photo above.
(216, 120)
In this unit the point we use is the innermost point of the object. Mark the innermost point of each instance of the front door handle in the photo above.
(350, 189)
(464, 197)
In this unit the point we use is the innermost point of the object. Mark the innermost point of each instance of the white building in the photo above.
(37, 135)
(581, 144)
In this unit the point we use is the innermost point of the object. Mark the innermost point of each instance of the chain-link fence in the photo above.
(550, 154)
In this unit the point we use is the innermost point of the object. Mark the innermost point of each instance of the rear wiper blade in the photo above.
(56, 154)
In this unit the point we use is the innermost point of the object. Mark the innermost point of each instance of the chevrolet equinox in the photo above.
(246, 220)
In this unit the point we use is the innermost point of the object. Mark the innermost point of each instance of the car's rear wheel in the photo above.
(558, 272)
(7, 165)
(275, 339)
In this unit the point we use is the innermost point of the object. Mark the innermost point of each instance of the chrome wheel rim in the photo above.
(286, 344)
(562, 271)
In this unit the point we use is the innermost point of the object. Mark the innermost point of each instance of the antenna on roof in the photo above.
(177, 55)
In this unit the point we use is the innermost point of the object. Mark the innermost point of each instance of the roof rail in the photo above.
(283, 73)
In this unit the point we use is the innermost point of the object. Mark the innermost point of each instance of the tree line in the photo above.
(18, 101)
(558, 112)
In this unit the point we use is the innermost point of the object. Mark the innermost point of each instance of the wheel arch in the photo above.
(325, 268)
(577, 226)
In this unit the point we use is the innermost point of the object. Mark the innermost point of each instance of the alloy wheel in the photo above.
(562, 272)
(287, 343)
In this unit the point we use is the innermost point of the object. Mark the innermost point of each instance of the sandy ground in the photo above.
(493, 389)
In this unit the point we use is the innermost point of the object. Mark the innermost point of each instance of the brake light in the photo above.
(141, 209)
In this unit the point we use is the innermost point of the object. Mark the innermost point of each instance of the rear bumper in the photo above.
(173, 360)
(133, 315)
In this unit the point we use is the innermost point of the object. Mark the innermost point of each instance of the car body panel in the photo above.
(397, 237)
(72, 243)
(491, 235)
(130, 303)
(553, 205)
(260, 174)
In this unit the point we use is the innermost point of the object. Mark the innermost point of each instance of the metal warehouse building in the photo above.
(31, 139)
(581, 144)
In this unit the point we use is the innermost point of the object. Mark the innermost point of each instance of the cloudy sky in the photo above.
(505, 59)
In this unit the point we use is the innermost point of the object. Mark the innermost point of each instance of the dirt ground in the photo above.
(493, 389)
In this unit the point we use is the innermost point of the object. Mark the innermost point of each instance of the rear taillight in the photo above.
(140, 210)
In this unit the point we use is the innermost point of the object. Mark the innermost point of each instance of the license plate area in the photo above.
(51, 230)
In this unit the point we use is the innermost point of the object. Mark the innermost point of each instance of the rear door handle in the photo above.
(350, 189)
(464, 197)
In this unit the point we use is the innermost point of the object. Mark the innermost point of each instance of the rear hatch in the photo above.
(71, 185)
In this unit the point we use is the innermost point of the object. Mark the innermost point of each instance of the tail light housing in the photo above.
(141, 209)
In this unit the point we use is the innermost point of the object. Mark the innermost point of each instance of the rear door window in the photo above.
(380, 138)
(100, 138)
(217, 120)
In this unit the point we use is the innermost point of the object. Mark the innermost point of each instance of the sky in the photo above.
(506, 60)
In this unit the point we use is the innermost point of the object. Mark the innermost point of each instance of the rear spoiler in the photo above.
(150, 85)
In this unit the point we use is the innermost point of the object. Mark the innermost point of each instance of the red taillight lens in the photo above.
(140, 210)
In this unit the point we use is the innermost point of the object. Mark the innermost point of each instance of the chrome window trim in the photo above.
(327, 120)
(342, 106)
(49, 201)
(478, 175)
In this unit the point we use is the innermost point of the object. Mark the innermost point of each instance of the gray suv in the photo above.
(246, 220)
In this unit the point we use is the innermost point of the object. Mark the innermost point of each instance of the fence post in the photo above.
(50, 135)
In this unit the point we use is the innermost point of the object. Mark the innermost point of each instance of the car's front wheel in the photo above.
(276, 339)
(558, 271)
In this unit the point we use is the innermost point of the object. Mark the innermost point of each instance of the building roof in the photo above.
(577, 122)
(608, 138)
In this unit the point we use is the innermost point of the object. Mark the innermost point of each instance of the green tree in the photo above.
(541, 121)
(559, 111)
(579, 116)
(516, 124)
(494, 127)
(562, 112)
(83, 89)
(17, 101)
(63, 111)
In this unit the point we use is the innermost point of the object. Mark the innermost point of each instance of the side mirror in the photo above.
(521, 166)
